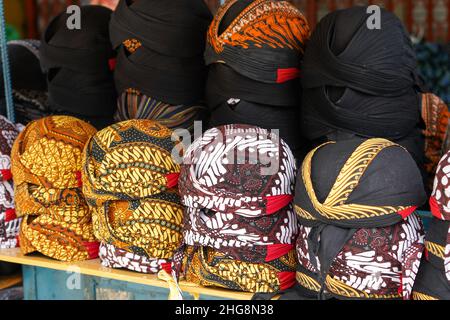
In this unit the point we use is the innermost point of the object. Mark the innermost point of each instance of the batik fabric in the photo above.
(46, 169)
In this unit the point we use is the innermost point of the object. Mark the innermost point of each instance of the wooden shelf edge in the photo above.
(94, 268)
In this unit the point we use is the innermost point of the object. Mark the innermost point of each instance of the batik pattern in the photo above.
(436, 117)
(275, 24)
(218, 172)
(304, 255)
(113, 257)
(9, 222)
(129, 179)
(208, 267)
(255, 240)
(377, 263)
(447, 258)
(440, 198)
(133, 104)
(46, 166)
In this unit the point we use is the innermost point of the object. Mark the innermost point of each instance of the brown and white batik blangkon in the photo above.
(239, 169)
(374, 263)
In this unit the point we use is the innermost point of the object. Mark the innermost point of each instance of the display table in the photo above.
(45, 278)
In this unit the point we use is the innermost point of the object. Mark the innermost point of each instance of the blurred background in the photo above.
(429, 19)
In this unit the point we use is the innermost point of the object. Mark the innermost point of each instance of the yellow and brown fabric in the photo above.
(211, 268)
(46, 169)
(436, 117)
(129, 179)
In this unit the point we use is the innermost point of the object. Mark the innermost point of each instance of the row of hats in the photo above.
(257, 53)
(348, 231)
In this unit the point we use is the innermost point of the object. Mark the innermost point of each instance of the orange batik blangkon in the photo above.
(46, 168)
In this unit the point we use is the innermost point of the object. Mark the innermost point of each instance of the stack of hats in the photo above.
(28, 82)
(78, 63)
(433, 280)
(160, 72)
(9, 222)
(359, 237)
(254, 52)
(46, 168)
(362, 82)
(237, 182)
(129, 180)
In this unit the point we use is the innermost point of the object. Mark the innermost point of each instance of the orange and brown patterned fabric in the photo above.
(211, 268)
(436, 117)
(46, 168)
(265, 42)
(129, 180)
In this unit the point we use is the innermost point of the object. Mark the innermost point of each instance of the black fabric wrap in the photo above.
(177, 27)
(146, 71)
(264, 116)
(432, 282)
(29, 83)
(361, 80)
(77, 62)
(25, 67)
(437, 233)
(168, 64)
(414, 142)
(255, 63)
(223, 80)
(391, 179)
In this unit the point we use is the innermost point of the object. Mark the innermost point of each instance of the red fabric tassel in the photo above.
(172, 180)
(167, 266)
(92, 248)
(408, 211)
(5, 175)
(435, 208)
(286, 279)
(78, 177)
(276, 203)
(284, 75)
(274, 251)
(10, 214)
(112, 64)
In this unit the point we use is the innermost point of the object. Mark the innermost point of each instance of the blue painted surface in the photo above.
(48, 284)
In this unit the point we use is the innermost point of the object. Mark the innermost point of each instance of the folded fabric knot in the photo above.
(56, 218)
(374, 263)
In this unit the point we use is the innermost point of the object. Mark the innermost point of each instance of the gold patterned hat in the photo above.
(208, 267)
(46, 168)
(129, 177)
